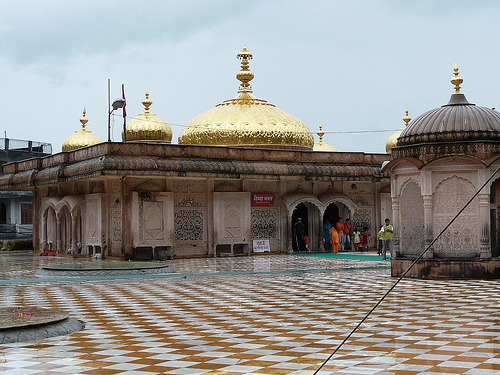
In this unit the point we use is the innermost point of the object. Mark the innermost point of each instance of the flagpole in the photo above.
(109, 110)
(124, 114)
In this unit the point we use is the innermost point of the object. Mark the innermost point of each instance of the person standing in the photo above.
(347, 233)
(299, 235)
(340, 229)
(388, 229)
(326, 235)
(357, 239)
(380, 238)
(334, 239)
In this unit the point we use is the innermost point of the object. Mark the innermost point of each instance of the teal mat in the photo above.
(372, 257)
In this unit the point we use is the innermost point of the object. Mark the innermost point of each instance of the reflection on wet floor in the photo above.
(278, 314)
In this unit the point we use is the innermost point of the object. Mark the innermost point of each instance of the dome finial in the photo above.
(245, 75)
(407, 118)
(321, 133)
(457, 80)
(84, 119)
(147, 102)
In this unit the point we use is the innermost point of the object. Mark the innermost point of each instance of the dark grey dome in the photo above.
(457, 120)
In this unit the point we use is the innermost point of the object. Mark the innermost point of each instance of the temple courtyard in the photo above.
(268, 314)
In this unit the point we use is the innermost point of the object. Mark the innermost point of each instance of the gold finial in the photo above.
(321, 133)
(84, 119)
(407, 118)
(245, 75)
(456, 80)
(147, 102)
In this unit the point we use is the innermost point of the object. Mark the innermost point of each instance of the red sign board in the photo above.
(263, 200)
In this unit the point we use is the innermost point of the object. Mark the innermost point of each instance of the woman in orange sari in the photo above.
(334, 240)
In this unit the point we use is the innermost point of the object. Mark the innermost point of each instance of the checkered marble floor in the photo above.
(266, 323)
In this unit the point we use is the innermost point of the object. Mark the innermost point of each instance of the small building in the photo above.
(440, 161)
(16, 207)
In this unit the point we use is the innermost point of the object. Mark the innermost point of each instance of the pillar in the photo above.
(428, 225)
(484, 219)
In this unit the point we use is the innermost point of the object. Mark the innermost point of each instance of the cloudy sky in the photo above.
(353, 66)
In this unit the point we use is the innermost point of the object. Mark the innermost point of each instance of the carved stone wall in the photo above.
(190, 216)
(264, 223)
(232, 218)
(151, 219)
(363, 218)
(461, 239)
(412, 239)
(94, 223)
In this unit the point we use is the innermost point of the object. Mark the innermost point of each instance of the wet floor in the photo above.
(276, 314)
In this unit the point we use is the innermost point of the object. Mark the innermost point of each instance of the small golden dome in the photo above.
(147, 127)
(247, 121)
(81, 138)
(321, 145)
(393, 139)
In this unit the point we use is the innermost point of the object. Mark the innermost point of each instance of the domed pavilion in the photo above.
(441, 160)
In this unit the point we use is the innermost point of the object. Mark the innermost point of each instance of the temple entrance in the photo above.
(330, 217)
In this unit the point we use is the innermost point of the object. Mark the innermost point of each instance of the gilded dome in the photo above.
(458, 120)
(322, 145)
(81, 138)
(147, 127)
(393, 139)
(247, 121)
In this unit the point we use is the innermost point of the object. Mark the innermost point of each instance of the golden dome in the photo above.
(321, 145)
(247, 121)
(393, 139)
(148, 127)
(81, 138)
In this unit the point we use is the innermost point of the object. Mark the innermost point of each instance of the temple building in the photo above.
(440, 160)
(242, 173)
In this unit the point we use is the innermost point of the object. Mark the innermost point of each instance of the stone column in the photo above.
(428, 225)
(74, 247)
(58, 233)
(397, 227)
(484, 219)
(43, 239)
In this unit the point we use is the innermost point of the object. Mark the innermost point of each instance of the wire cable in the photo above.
(405, 273)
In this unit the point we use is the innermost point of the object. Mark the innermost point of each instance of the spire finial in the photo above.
(84, 119)
(456, 80)
(245, 75)
(147, 102)
(407, 118)
(321, 133)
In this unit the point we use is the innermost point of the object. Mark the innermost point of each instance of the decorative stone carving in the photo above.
(412, 239)
(232, 218)
(151, 219)
(264, 223)
(95, 224)
(362, 218)
(189, 224)
(461, 239)
(189, 200)
(189, 186)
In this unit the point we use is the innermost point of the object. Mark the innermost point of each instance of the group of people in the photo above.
(341, 236)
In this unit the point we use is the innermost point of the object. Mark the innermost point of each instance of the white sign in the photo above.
(260, 246)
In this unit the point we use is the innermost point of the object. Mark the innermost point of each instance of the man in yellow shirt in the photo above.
(388, 229)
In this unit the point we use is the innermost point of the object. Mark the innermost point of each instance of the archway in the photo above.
(65, 230)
